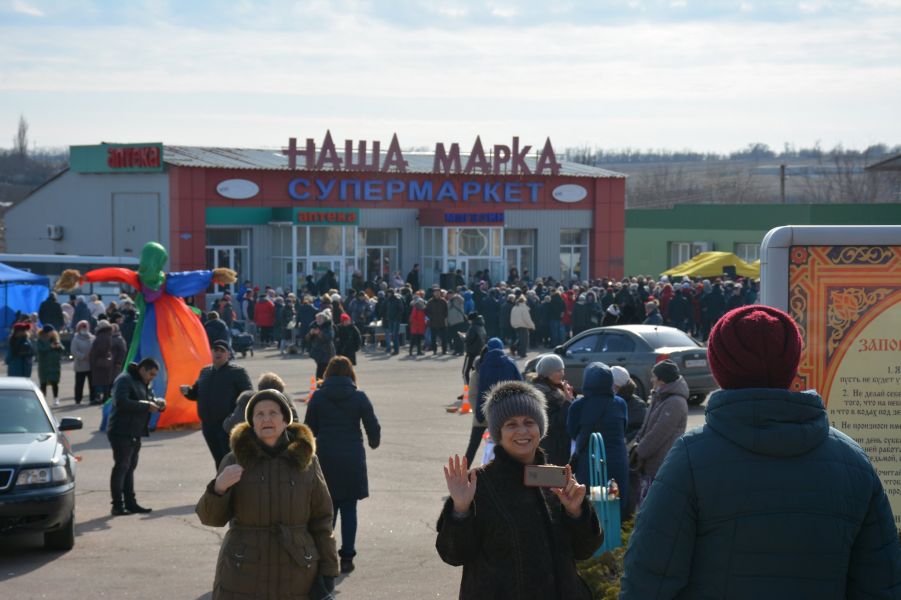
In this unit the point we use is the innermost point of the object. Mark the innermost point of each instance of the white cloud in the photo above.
(24, 8)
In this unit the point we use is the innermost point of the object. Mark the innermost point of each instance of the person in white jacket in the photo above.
(521, 321)
(81, 351)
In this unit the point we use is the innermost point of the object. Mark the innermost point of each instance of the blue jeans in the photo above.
(392, 335)
(348, 510)
(556, 329)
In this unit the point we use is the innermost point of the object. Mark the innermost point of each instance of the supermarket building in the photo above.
(276, 216)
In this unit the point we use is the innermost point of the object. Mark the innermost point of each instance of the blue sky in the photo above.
(709, 76)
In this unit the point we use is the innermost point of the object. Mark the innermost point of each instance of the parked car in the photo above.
(637, 348)
(37, 467)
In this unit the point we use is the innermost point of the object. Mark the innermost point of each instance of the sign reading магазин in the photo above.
(474, 218)
(448, 161)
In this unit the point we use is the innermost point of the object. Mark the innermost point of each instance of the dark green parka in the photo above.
(765, 501)
(279, 516)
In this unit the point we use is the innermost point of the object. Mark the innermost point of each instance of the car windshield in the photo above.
(21, 412)
(667, 338)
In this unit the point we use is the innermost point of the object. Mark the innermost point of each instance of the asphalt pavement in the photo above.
(169, 554)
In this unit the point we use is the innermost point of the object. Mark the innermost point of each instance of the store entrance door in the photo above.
(319, 266)
(519, 258)
(227, 258)
(379, 262)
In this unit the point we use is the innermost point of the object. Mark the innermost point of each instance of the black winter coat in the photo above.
(556, 443)
(517, 543)
(130, 410)
(348, 341)
(322, 342)
(335, 413)
(476, 337)
(51, 313)
(216, 391)
(216, 329)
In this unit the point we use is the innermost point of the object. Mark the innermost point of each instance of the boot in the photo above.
(119, 510)
(347, 565)
(132, 506)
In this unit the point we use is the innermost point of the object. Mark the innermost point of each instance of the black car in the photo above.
(37, 467)
(637, 348)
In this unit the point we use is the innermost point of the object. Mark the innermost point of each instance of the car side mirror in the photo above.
(70, 424)
(559, 350)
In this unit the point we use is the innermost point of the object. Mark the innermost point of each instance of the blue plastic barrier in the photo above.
(608, 510)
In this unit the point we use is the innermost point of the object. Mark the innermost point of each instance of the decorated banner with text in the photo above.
(847, 302)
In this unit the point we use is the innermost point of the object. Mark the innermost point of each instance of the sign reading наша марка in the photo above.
(448, 161)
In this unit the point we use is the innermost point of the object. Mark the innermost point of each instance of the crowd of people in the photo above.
(755, 500)
(524, 313)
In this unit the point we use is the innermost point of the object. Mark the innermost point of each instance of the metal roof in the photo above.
(889, 164)
(274, 160)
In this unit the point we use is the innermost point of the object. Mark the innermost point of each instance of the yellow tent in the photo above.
(711, 264)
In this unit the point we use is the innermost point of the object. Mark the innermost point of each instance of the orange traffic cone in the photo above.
(312, 387)
(465, 408)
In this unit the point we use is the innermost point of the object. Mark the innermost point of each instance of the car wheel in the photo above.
(63, 538)
(696, 399)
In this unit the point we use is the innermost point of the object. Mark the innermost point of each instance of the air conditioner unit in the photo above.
(55, 232)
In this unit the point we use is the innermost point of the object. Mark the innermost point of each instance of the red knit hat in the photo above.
(754, 346)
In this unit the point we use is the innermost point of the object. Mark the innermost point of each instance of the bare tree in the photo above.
(20, 141)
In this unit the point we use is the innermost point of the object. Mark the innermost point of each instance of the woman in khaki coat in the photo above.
(272, 493)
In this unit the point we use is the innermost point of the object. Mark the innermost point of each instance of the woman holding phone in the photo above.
(515, 541)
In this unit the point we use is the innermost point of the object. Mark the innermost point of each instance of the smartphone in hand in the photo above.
(549, 476)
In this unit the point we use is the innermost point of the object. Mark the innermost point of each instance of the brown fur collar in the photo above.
(248, 449)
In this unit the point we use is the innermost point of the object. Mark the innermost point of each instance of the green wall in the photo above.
(650, 231)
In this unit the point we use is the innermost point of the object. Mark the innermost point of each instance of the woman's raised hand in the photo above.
(229, 476)
(461, 483)
(571, 495)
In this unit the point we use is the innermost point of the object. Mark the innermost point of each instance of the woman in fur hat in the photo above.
(515, 541)
(19, 350)
(272, 494)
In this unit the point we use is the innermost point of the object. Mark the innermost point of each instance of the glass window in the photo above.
(584, 345)
(281, 241)
(474, 242)
(496, 236)
(427, 242)
(325, 241)
(747, 252)
(302, 240)
(679, 252)
(617, 343)
(224, 237)
(21, 412)
(573, 237)
(520, 237)
(379, 237)
(667, 337)
(452, 241)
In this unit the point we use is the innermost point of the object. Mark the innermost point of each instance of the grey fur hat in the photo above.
(509, 399)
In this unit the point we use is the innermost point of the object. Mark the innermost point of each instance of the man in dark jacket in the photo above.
(51, 312)
(394, 314)
(436, 310)
(216, 329)
(413, 278)
(766, 500)
(132, 405)
(475, 340)
(216, 392)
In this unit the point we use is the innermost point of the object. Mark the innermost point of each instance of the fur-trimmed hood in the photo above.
(247, 448)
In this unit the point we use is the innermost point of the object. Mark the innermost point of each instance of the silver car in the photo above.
(637, 348)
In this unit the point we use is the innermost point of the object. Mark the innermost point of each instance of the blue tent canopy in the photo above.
(19, 291)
